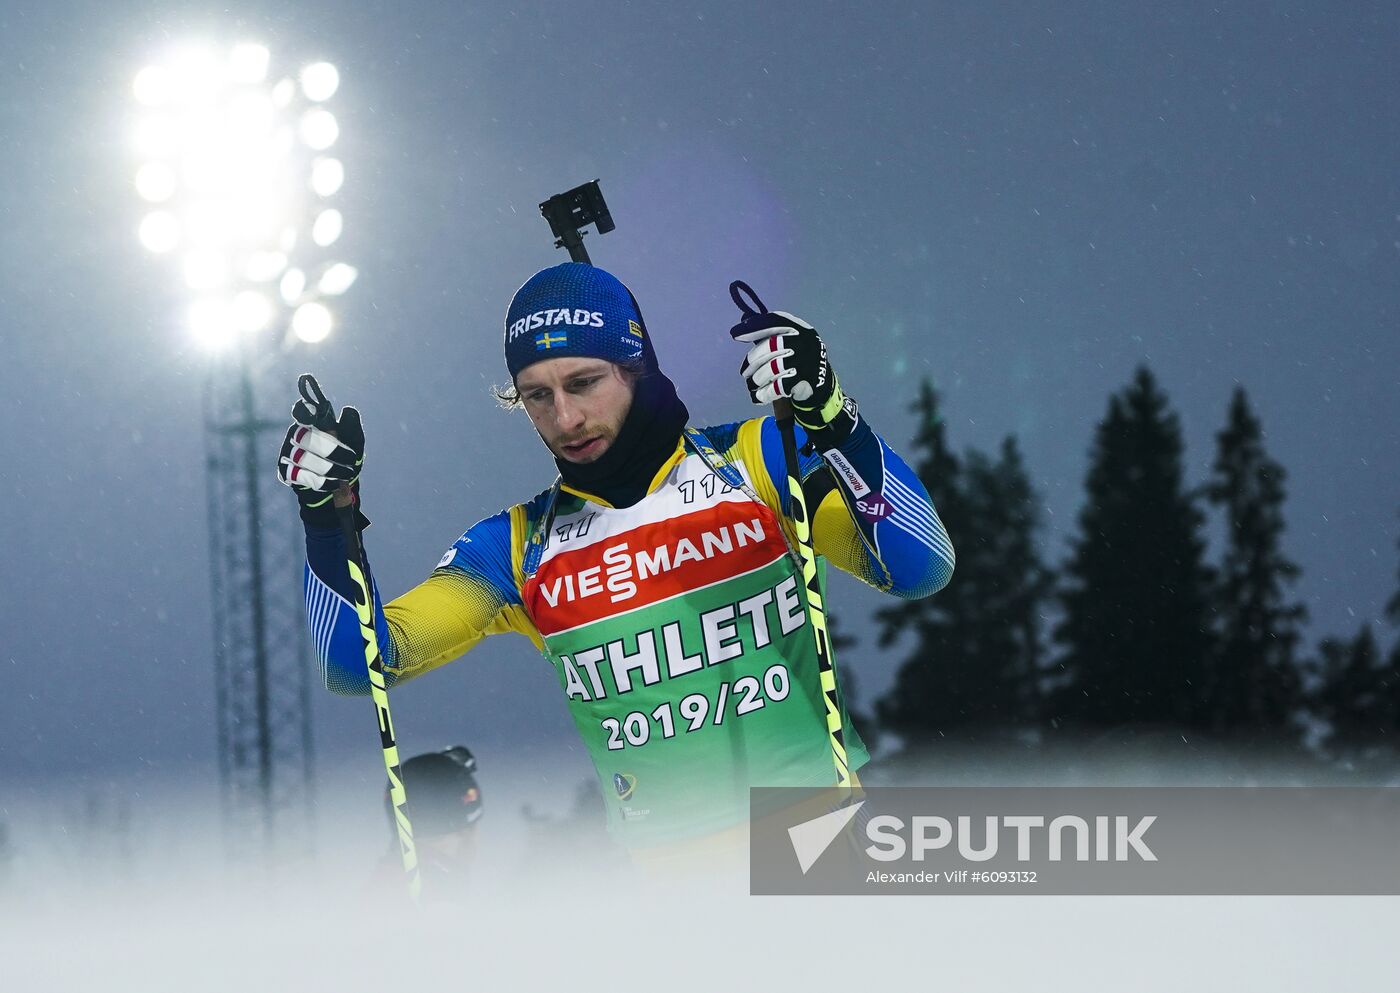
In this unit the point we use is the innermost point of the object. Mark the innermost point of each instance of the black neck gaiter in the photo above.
(648, 438)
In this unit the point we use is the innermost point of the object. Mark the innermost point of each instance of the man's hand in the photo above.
(322, 464)
(788, 359)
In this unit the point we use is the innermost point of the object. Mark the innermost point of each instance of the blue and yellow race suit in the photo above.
(677, 626)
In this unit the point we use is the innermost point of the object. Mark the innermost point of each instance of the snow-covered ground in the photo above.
(159, 908)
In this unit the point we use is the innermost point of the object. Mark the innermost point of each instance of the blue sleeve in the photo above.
(906, 550)
(330, 596)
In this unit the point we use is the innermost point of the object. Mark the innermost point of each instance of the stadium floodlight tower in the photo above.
(240, 185)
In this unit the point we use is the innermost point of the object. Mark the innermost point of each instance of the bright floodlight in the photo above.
(197, 73)
(211, 321)
(283, 94)
(208, 223)
(248, 63)
(327, 227)
(228, 149)
(206, 269)
(319, 81)
(264, 267)
(252, 311)
(337, 279)
(157, 137)
(319, 129)
(160, 232)
(153, 86)
(292, 286)
(249, 116)
(311, 322)
(155, 181)
(327, 176)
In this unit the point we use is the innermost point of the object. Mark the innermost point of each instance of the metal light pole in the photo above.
(238, 177)
(262, 663)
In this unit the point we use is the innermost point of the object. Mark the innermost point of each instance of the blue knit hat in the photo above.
(573, 310)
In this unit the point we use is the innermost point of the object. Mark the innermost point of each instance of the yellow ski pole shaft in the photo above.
(316, 400)
(379, 692)
(751, 306)
(816, 611)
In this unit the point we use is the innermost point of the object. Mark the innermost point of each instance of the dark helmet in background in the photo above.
(443, 794)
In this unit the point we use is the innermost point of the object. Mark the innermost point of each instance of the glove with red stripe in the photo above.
(788, 359)
(321, 458)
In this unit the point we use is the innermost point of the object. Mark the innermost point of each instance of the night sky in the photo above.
(1022, 204)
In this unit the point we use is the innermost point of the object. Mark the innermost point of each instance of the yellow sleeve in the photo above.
(836, 538)
(444, 616)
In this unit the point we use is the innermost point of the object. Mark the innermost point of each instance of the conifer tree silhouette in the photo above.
(1357, 695)
(1256, 686)
(1008, 588)
(977, 643)
(1135, 626)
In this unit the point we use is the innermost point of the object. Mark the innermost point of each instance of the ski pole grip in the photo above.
(323, 418)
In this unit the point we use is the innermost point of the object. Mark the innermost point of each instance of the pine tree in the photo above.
(977, 643)
(1009, 587)
(1357, 694)
(1135, 629)
(1256, 679)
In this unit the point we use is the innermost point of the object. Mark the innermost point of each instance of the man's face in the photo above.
(577, 405)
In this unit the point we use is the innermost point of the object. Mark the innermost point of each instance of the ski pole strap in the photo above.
(740, 289)
(751, 306)
(314, 397)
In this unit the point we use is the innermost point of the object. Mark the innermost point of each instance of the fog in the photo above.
(162, 909)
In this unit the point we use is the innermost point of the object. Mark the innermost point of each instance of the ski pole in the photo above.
(801, 523)
(324, 415)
